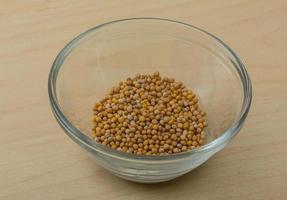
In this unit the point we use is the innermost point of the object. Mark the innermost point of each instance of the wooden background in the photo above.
(38, 161)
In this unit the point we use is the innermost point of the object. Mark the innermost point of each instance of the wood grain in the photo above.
(38, 161)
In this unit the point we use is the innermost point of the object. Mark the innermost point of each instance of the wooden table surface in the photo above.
(38, 161)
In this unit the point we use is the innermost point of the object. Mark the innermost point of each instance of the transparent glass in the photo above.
(99, 58)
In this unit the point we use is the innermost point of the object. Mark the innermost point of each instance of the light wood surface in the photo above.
(38, 161)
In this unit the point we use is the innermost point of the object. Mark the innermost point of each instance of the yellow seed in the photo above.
(118, 137)
(201, 142)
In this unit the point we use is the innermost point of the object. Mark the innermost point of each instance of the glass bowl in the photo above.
(99, 58)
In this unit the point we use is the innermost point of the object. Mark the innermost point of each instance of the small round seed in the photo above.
(149, 115)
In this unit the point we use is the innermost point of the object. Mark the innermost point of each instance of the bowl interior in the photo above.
(105, 55)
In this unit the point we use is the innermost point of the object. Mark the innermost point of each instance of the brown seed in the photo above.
(135, 146)
(165, 146)
(179, 125)
(184, 148)
(175, 150)
(201, 142)
(154, 150)
(161, 150)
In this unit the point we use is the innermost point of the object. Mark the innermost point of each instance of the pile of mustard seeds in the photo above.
(149, 115)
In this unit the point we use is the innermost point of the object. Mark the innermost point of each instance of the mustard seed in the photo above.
(149, 115)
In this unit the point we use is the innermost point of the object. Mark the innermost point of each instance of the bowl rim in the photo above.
(90, 145)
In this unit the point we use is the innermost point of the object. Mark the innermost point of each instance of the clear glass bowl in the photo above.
(99, 58)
